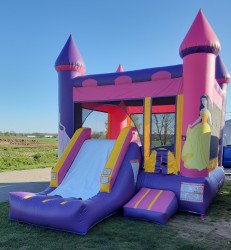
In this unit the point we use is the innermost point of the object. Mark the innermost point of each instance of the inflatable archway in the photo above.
(118, 114)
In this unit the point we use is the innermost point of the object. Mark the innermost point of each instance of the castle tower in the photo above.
(120, 68)
(223, 78)
(222, 74)
(198, 50)
(69, 65)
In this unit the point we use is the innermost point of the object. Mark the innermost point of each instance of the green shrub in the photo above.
(37, 156)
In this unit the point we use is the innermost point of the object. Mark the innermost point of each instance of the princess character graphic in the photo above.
(63, 139)
(196, 150)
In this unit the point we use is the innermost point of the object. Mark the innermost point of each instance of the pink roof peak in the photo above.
(201, 37)
(120, 68)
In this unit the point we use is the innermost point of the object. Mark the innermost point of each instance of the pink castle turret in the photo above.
(120, 68)
(200, 38)
(198, 50)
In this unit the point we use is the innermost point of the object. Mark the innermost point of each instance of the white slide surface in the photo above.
(83, 178)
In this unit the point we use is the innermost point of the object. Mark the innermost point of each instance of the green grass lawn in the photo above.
(18, 152)
(183, 231)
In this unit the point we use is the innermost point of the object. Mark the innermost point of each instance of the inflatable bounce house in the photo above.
(163, 149)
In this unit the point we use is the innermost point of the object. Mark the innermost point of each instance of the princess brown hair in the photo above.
(208, 102)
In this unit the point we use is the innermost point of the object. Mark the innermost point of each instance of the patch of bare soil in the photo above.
(24, 143)
(194, 227)
(223, 228)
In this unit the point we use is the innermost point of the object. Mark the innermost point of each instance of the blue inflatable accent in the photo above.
(227, 156)
(144, 75)
(199, 49)
(141, 75)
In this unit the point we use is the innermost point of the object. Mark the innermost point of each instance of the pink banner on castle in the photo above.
(167, 87)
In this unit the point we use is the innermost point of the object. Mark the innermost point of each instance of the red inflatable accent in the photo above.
(80, 69)
(117, 120)
(160, 109)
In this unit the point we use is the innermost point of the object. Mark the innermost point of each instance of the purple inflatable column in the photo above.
(223, 78)
(69, 65)
(198, 50)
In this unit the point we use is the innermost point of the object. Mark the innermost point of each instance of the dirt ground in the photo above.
(23, 143)
(196, 227)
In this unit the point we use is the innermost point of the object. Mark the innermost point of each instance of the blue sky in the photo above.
(138, 34)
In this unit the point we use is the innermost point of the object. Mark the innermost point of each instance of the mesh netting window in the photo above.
(163, 124)
(163, 129)
(97, 121)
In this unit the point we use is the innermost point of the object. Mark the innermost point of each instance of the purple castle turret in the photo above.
(69, 65)
(222, 74)
(223, 78)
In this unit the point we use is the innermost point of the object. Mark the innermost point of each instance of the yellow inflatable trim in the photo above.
(58, 166)
(106, 177)
(149, 165)
(155, 199)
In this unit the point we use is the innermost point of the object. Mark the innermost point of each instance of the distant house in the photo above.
(31, 136)
(227, 133)
(48, 136)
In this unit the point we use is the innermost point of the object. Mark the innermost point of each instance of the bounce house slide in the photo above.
(92, 179)
(86, 168)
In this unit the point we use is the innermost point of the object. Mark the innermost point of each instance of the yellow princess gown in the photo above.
(196, 149)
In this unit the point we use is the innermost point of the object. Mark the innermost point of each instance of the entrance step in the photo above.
(154, 205)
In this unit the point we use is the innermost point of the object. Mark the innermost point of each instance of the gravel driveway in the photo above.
(34, 180)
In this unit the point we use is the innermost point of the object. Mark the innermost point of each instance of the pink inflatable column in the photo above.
(198, 50)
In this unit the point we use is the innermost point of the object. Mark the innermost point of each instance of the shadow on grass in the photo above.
(33, 187)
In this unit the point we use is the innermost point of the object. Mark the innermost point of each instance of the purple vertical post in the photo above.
(223, 78)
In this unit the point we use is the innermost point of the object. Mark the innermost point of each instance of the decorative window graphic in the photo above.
(104, 179)
(193, 192)
(107, 171)
(53, 176)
